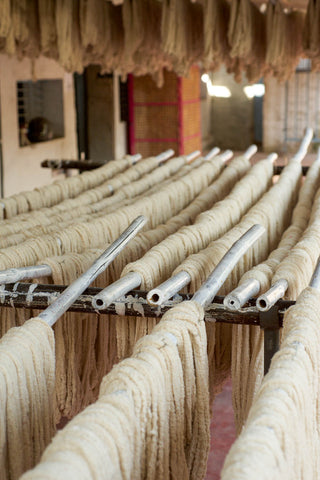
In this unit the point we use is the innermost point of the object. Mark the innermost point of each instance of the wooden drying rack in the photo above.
(40, 296)
(134, 303)
(84, 165)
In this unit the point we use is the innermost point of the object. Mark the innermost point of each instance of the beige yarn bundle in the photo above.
(24, 33)
(132, 16)
(152, 416)
(281, 436)
(162, 259)
(182, 40)
(157, 263)
(270, 211)
(27, 369)
(93, 203)
(62, 196)
(160, 206)
(48, 30)
(69, 35)
(300, 217)
(216, 46)
(149, 58)
(311, 33)
(298, 265)
(284, 40)
(246, 36)
(144, 36)
(5, 12)
(247, 341)
(94, 18)
(92, 200)
(86, 345)
(70, 187)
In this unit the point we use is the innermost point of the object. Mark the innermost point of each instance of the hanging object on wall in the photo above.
(168, 117)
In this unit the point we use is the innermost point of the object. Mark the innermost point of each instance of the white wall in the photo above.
(21, 165)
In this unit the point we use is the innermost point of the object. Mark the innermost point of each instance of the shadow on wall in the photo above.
(232, 119)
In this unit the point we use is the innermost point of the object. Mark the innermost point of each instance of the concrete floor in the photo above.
(222, 430)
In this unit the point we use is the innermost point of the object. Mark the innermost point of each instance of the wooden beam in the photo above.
(39, 296)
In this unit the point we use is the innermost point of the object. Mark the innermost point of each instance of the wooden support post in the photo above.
(270, 323)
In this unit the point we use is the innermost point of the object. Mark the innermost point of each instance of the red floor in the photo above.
(223, 432)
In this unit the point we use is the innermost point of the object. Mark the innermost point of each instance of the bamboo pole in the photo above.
(61, 305)
(210, 288)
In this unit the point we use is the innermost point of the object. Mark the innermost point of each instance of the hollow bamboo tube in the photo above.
(213, 153)
(167, 289)
(250, 151)
(226, 155)
(272, 157)
(192, 156)
(301, 153)
(71, 293)
(240, 295)
(162, 157)
(210, 288)
(116, 290)
(315, 280)
(268, 299)
(13, 275)
(136, 158)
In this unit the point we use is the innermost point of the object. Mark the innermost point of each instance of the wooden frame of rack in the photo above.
(40, 296)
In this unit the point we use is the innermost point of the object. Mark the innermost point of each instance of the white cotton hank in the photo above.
(129, 330)
(157, 207)
(91, 200)
(247, 341)
(27, 377)
(300, 217)
(157, 265)
(152, 417)
(298, 266)
(280, 439)
(272, 211)
(84, 345)
(70, 187)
